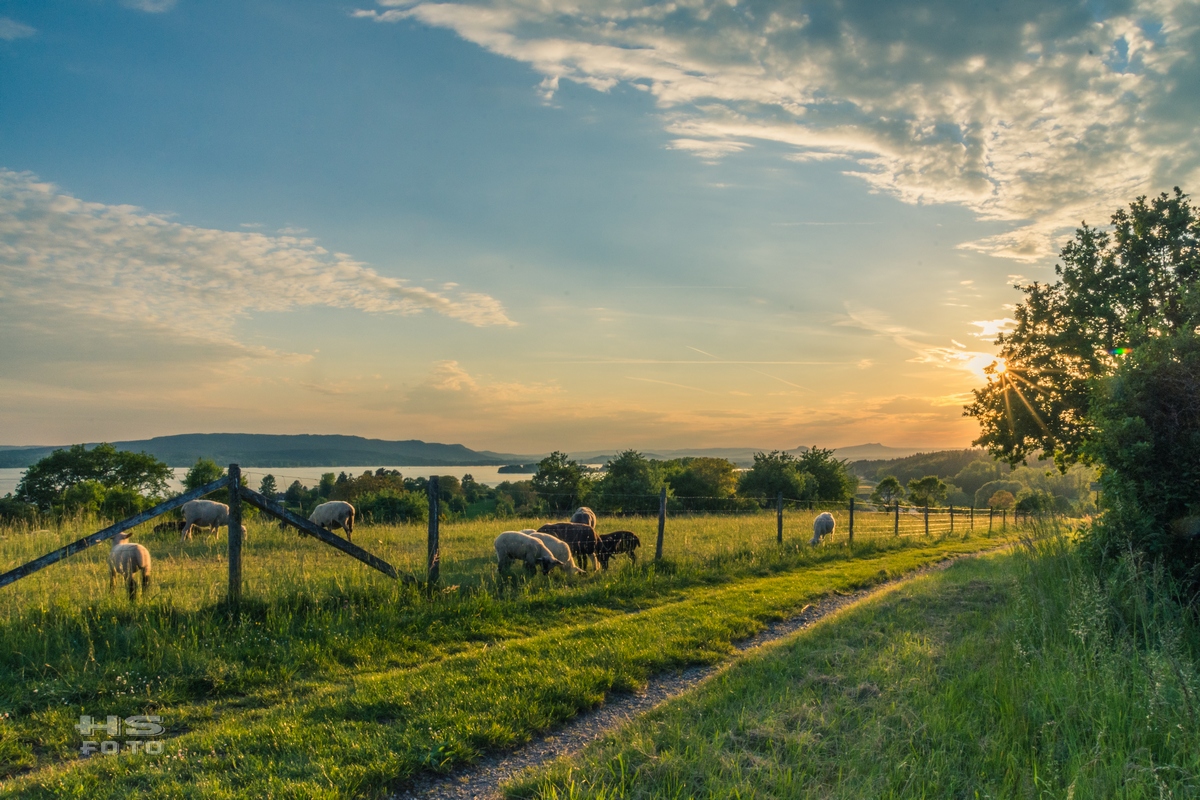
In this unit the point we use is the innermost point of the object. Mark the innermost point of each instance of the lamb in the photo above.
(822, 526)
(334, 514)
(205, 513)
(582, 539)
(517, 546)
(128, 559)
(584, 516)
(617, 542)
(558, 548)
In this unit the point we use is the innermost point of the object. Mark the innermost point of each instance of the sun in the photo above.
(1001, 366)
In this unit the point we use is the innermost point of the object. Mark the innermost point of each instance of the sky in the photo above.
(526, 225)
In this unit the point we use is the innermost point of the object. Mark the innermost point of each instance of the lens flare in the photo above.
(1001, 366)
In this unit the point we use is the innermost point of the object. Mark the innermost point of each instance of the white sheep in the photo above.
(127, 559)
(584, 516)
(205, 513)
(558, 548)
(822, 526)
(334, 514)
(517, 546)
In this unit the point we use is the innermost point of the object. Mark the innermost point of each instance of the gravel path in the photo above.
(482, 779)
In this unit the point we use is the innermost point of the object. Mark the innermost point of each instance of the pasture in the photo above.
(332, 680)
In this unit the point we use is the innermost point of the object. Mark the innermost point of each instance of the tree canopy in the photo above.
(1116, 290)
(46, 483)
(561, 481)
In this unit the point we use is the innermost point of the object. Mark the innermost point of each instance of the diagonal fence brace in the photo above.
(295, 520)
(112, 530)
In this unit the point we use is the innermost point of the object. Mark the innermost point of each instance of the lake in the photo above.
(311, 476)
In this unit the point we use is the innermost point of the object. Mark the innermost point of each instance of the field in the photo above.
(335, 681)
(1013, 675)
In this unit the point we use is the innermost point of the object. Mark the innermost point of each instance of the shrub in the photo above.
(390, 507)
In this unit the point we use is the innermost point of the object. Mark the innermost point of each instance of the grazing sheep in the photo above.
(558, 548)
(334, 514)
(205, 513)
(517, 546)
(617, 542)
(128, 559)
(822, 526)
(582, 539)
(584, 516)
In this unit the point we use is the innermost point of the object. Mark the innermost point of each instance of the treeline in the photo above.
(973, 477)
(113, 484)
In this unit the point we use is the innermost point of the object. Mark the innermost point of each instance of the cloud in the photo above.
(991, 328)
(1036, 113)
(63, 258)
(957, 357)
(11, 30)
(149, 6)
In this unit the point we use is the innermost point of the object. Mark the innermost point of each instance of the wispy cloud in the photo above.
(957, 356)
(63, 256)
(1040, 114)
(11, 30)
(150, 6)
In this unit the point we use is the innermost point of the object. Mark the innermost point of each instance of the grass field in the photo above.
(334, 681)
(1016, 675)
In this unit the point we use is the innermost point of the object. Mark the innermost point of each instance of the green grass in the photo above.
(1017, 675)
(336, 681)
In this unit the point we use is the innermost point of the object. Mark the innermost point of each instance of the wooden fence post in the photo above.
(662, 523)
(433, 557)
(952, 518)
(1004, 519)
(851, 539)
(972, 516)
(926, 520)
(779, 518)
(896, 521)
(991, 516)
(235, 535)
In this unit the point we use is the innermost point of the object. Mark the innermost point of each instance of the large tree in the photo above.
(47, 482)
(561, 481)
(1116, 290)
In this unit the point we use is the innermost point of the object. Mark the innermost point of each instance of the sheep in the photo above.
(617, 542)
(584, 516)
(334, 514)
(582, 539)
(558, 548)
(822, 526)
(517, 546)
(205, 513)
(128, 559)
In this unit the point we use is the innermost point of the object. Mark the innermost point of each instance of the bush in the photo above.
(1147, 439)
(13, 510)
(390, 506)
(983, 496)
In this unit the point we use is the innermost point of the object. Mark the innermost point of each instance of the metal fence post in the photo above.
(851, 538)
(896, 521)
(926, 520)
(235, 535)
(779, 518)
(433, 556)
(662, 523)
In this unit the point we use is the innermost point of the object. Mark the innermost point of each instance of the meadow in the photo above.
(332, 680)
(1020, 674)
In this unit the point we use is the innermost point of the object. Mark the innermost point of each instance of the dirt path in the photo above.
(482, 779)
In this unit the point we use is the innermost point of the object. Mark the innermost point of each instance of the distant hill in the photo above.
(303, 450)
(944, 463)
(877, 451)
(742, 456)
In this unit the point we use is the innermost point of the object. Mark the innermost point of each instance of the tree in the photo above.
(45, 483)
(561, 481)
(325, 487)
(773, 473)
(976, 474)
(927, 491)
(205, 470)
(702, 483)
(631, 483)
(888, 491)
(1116, 292)
(1001, 499)
(831, 480)
(267, 487)
(1036, 501)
